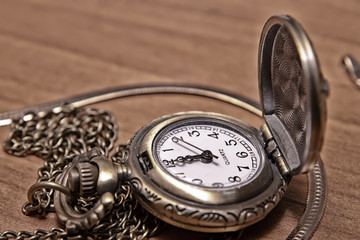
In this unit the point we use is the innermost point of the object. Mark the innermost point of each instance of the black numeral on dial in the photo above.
(242, 154)
(231, 143)
(242, 167)
(194, 134)
(218, 185)
(214, 135)
(234, 179)
(167, 150)
(197, 181)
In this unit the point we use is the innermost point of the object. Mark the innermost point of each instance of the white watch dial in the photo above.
(207, 153)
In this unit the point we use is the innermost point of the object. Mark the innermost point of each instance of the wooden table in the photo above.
(54, 49)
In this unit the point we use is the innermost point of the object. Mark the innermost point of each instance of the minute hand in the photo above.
(176, 139)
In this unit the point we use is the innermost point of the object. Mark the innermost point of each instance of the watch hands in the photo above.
(207, 152)
(205, 157)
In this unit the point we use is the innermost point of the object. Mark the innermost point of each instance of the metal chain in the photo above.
(57, 137)
(54, 233)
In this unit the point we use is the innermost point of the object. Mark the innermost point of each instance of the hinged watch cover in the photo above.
(293, 92)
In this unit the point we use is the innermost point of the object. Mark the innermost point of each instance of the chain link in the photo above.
(57, 137)
(54, 233)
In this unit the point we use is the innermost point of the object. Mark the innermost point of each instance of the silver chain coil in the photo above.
(57, 137)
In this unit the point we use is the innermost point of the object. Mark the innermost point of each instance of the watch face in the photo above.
(207, 152)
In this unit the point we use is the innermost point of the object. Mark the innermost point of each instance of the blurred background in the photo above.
(55, 49)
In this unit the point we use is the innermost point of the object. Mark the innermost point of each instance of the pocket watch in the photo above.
(199, 171)
(210, 172)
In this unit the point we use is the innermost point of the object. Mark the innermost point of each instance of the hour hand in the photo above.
(205, 157)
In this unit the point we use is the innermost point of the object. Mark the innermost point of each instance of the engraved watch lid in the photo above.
(293, 92)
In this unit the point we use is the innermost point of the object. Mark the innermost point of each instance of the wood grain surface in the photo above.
(54, 49)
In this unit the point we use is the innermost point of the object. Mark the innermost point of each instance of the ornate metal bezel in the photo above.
(182, 205)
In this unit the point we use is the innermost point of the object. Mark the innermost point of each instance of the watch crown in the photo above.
(83, 179)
